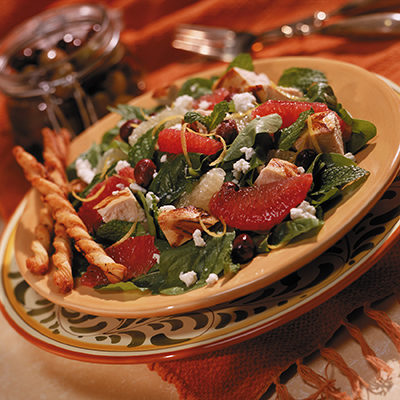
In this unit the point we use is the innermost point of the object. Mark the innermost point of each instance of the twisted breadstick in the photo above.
(39, 262)
(65, 214)
(62, 259)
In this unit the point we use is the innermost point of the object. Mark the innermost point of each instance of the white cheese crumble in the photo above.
(184, 101)
(137, 188)
(121, 164)
(84, 170)
(239, 167)
(176, 126)
(244, 101)
(164, 158)
(188, 278)
(204, 104)
(168, 207)
(301, 170)
(350, 156)
(248, 152)
(198, 240)
(212, 279)
(304, 210)
(156, 257)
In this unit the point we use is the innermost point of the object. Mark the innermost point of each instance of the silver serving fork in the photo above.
(225, 44)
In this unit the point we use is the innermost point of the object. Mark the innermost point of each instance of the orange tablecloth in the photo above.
(149, 26)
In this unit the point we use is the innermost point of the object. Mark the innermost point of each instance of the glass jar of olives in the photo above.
(63, 68)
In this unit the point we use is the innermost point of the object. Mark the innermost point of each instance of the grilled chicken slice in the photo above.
(238, 80)
(178, 225)
(121, 205)
(322, 134)
(276, 170)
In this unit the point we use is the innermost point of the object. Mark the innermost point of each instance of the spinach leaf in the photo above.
(289, 135)
(243, 60)
(209, 121)
(322, 93)
(301, 78)
(286, 231)
(196, 87)
(246, 138)
(130, 112)
(172, 180)
(144, 147)
(362, 131)
(215, 257)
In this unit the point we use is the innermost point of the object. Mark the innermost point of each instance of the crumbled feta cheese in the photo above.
(137, 188)
(184, 101)
(84, 170)
(212, 279)
(189, 278)
(301, 170)
(121, 164)
(168, 207)
(304, 210)
(244, 101)
(198, 240)
(164, 158)
(204, 104)
(156, 257)
(248, 152)
(120, 186)
(350, 156)
(239, 167)
(115, 192)
(176, 126)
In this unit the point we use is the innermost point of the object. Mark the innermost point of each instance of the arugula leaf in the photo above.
(290, 134)
(301, 78)
(246, 138)
(209, 121)
(243, 60)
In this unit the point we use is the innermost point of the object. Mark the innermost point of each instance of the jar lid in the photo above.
(43, 32)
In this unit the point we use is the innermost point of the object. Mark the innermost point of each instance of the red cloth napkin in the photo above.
(246, 370)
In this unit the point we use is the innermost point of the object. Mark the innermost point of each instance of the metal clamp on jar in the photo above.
(63, 68)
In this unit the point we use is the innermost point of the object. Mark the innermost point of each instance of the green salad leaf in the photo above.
(243, 60)
(209, 121)
(246, 138)
(301, 78)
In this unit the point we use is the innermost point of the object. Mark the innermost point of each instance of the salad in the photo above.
(222, 170)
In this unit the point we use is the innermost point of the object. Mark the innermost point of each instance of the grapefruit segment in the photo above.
(138, 254)
(170, 141)
(259, 207)
(290, 111)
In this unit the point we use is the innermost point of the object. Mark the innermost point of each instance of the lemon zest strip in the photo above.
(210, 233)
(163, 122)
(223, 152)
(87, 199)
(126, 236)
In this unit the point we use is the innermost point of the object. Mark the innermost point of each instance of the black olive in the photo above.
(227, 130)
(243, 249)
(305, 158)
(126, 129)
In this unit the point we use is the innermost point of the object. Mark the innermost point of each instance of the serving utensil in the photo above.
(224, 44)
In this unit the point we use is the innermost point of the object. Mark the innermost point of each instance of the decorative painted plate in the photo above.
(361, 92)
(85, 337)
